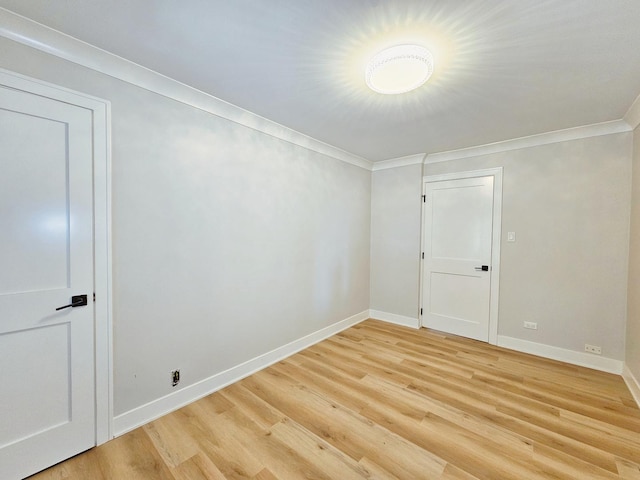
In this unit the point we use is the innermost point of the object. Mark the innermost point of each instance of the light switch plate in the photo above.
(511, 236)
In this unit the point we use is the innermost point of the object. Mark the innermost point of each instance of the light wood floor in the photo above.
(381, 401)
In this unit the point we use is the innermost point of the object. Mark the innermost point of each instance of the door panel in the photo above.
(34, 237)
(48, 378)
(456, 296)
(459, 221)
(458, 227)
(47, 399)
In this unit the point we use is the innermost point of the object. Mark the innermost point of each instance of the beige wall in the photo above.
(227, 242)
(633, 305)
(395, 240)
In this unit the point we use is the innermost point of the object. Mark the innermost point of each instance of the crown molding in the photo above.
(576, 133)
(632, 117)
(399, 162)
(35, 35)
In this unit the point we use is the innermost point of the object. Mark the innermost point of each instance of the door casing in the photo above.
(495, 242)
(101, 137)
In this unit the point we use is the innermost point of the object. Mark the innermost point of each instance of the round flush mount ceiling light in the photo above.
(399, 69)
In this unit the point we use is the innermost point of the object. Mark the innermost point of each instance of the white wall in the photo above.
(568, 203)
(633, 306)
(228, 243)
(395, 240)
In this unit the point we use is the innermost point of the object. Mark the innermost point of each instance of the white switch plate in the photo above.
(531, 325)
(511, 236)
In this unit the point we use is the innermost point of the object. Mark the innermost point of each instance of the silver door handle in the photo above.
(483, 268)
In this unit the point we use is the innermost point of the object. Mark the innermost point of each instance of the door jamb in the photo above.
(496, 237)
(101, 140)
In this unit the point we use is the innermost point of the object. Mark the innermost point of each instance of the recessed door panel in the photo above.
(456, 297)
(460, 229)
(35, 231)
(42, 356)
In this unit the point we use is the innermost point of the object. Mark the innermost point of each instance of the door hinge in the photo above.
(423, 255)
(420, 312)
(424, 199)
(94, 296)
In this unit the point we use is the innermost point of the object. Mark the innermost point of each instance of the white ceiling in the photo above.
(504, 68)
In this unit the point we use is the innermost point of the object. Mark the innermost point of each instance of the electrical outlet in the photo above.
(592, 349)
(175, 377)
(531, 325)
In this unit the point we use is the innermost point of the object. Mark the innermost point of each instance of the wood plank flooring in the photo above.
(387, 402)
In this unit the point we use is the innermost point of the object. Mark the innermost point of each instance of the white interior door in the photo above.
(458, 230)
(47, 404)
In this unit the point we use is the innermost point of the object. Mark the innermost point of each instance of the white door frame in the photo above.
(101, 116)
(495, 240)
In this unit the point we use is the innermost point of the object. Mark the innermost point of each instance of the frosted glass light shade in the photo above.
(399, 69)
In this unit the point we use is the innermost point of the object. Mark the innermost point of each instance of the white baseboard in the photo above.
(632, 383)
(394, 318)
(582, 359)
(145, 413)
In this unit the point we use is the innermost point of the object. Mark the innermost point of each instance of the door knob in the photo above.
(483, 268)
(76, 301)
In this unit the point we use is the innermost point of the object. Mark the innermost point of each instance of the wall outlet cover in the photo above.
(592, 349)
(175, 377)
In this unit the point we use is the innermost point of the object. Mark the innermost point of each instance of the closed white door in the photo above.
(458, 225)
(47, 404)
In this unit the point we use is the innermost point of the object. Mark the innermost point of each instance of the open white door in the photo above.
(458, 266)
(47, 399)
